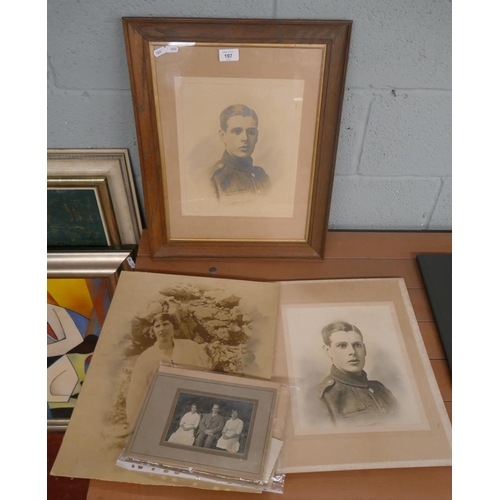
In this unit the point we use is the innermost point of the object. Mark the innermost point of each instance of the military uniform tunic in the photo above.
(352, 399)
(237, 179)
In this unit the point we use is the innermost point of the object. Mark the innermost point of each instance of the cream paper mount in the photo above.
(395, 417)
(223, 325)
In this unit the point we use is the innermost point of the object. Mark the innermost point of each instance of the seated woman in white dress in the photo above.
(230, 438)
(185, 433)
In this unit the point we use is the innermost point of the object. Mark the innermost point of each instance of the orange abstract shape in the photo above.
(71, 293)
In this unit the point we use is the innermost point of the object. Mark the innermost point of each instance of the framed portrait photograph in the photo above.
(211, 423)
(366, 394)
(91, 199)
(80, 286)
(237, 122)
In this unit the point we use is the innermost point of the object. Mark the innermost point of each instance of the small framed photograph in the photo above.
(91, 199)
(80, 286)
(366, 394)
(208, 422)
(238, 124)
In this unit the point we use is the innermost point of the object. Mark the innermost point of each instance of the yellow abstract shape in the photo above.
(71, 293)
(70, 404)
(78, 362)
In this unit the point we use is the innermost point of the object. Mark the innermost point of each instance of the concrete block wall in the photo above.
(393, 168)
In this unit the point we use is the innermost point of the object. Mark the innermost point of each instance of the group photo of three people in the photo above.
(209, 430)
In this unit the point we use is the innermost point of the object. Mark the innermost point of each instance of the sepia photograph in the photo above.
(250, 128)
(350, 369)
(207, 324)
(205, 422)
(240, 147)
(365, 395)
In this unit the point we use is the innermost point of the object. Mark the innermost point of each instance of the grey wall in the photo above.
(393, 166)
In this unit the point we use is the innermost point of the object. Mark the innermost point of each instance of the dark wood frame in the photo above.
(335, 35)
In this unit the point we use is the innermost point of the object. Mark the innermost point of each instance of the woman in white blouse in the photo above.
(185, 433)
(230, 438)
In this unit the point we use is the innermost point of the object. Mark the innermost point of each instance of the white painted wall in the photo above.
(394, 160)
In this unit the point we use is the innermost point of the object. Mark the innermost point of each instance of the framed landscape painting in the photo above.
(237, 123)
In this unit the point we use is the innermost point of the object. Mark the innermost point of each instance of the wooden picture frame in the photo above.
(91, 199)
(80, 285)
(193, 81)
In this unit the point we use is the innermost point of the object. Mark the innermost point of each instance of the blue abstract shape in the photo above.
(80, 321)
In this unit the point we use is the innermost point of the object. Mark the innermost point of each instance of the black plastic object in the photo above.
(436, 270)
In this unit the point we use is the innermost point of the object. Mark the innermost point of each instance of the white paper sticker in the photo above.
(229, 55)
(165, 49)
(131, 262)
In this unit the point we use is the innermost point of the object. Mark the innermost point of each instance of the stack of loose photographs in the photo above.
(229, 384)
(180, 381)
(220, 429)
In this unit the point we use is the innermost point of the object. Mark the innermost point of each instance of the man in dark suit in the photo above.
(211, 425)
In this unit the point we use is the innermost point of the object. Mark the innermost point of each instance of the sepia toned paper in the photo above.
(409, 428)
(224, 325)
(276, 150)
(282, 85)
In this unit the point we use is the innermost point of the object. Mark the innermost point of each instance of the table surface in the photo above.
(347, 255)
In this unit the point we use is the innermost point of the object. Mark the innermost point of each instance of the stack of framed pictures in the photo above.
(91, 199)
(93, 226)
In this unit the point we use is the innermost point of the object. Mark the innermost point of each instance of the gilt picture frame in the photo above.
(237, 124)
(91, 199)
(80, 286)
(80, 213)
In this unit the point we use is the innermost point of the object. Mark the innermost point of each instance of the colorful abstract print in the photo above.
(76, 309)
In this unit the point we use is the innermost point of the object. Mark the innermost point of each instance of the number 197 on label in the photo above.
(226, 55)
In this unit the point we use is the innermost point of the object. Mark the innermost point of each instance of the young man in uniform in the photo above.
(349, 396)
(235, 178)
